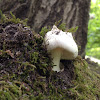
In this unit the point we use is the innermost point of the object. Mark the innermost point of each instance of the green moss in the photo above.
(43, 31)
(13, 19)
(60, 25)
(5, 54)
(86, 85)
(9, 91)
(86, 81)
(73, 29)
(34, 57)
(25, 69)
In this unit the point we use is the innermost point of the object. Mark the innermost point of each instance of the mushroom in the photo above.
(61, 45)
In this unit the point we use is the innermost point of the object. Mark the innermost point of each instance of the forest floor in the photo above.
(93, 65)
(26, 70)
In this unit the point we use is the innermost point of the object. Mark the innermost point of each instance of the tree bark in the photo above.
(46, 12)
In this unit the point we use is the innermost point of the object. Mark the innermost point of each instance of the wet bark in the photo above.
(46, 12)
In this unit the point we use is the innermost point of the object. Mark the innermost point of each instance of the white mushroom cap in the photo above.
(61, 45)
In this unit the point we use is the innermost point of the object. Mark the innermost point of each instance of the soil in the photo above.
(17, 44)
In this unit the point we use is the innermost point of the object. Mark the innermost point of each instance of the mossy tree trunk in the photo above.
(46, 12)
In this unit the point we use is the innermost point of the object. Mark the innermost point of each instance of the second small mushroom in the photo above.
(61, 45)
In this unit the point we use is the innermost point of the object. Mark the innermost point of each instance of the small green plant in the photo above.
(73, 29)
(3, 18)
(13, 19)
(60, 25)
(43, 31)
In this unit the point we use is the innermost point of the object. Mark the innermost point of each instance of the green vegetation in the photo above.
(13, 19)
(87, 83)
(60, 25)
(25, 69)
(15, 86)
(93, 45)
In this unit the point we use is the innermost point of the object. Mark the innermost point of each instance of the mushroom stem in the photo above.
(56, 55)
